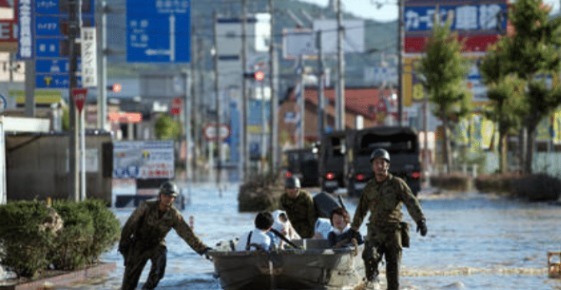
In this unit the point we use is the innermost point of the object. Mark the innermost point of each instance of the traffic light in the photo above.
(256, 75)
(259, 75)
(116, 87)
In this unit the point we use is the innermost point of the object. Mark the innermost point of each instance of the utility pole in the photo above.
(244, 112)
(101, 22)
(274, 120)
(73, 32)
(217, 101)
(400, 62)
(321, 91)
(340, 100)
(302, 103)
(197, 105)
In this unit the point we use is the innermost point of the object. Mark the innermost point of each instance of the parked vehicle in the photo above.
(332, 164)
(303, 163)
(402, 144)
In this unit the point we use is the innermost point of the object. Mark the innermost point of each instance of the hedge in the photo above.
(32, 241)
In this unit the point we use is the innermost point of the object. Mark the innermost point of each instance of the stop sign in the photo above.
(79, 95)
(176, 105)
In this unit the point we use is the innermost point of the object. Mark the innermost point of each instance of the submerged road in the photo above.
(475, 241)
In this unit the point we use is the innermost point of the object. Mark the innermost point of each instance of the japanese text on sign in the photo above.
(143, 159)
(481, 17)
(25, 32)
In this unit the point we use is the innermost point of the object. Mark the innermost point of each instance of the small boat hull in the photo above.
(317, 267)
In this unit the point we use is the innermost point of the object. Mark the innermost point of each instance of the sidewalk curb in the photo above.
(62, 279)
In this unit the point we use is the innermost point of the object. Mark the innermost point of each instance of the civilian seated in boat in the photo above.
(282, 225)
(322, 228)
(340, 236)
(258, 238)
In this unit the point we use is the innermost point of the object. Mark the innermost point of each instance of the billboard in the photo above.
(478, 23)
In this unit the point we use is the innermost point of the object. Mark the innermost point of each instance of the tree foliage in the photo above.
(532, 54)
(167, 128)
(443, 72)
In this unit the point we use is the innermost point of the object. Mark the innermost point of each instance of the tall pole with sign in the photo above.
(79, 99)
(73, 32)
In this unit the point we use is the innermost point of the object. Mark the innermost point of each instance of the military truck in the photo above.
(402, 144)
(332, 161)
(302, 163)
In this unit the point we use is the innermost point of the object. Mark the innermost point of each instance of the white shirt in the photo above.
(323, 227)
(258, 237)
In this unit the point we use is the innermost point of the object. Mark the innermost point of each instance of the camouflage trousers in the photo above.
(387, 245)
(135, 264)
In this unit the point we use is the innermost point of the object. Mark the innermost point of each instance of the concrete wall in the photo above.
(37, 166)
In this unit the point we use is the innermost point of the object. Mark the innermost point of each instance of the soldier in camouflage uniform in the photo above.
(143, 238)
(383, 197)
(299, 207)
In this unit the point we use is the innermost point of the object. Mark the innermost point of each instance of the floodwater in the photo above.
(475, 241)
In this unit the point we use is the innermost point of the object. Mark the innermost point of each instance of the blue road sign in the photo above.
(49, 47)
(159, 31)
(54, 81)
(50, 28)
(54, 7)
(54, 66)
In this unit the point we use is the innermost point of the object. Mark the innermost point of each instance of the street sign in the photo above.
(159, 32)
(210, 131)
(79, 95)
(49, 28)
(176, 105)
(54, 66)
(26, 35)
(54, 81)
(89, 57)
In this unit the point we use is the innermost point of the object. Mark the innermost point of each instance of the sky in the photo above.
(387, 10)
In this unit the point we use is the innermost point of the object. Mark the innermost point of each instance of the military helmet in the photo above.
(292, 182)
(169, 188)
(380, 153)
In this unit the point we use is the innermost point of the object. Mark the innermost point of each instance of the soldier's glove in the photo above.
(205, 253)
(422, 227)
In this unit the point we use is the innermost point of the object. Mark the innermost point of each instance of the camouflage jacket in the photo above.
(384, 201)
(301, 213)
(147, 228)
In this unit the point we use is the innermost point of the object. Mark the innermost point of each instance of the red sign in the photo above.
(478, 24)
(79, 96)
(176, 105)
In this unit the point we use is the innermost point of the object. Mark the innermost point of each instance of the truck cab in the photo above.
(402, 144)
(303, 163)
(333, 160)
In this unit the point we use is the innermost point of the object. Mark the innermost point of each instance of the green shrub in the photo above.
(537, 187)
(261, 192)
(106, 229)
(24, 239)
(453, 181)
(72, 244)
(495, 183)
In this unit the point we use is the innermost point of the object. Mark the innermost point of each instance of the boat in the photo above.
(314, 265)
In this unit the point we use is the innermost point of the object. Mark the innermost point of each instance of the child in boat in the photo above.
(322, 228)
(340, 236)
(258, 238)
(283, 225)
